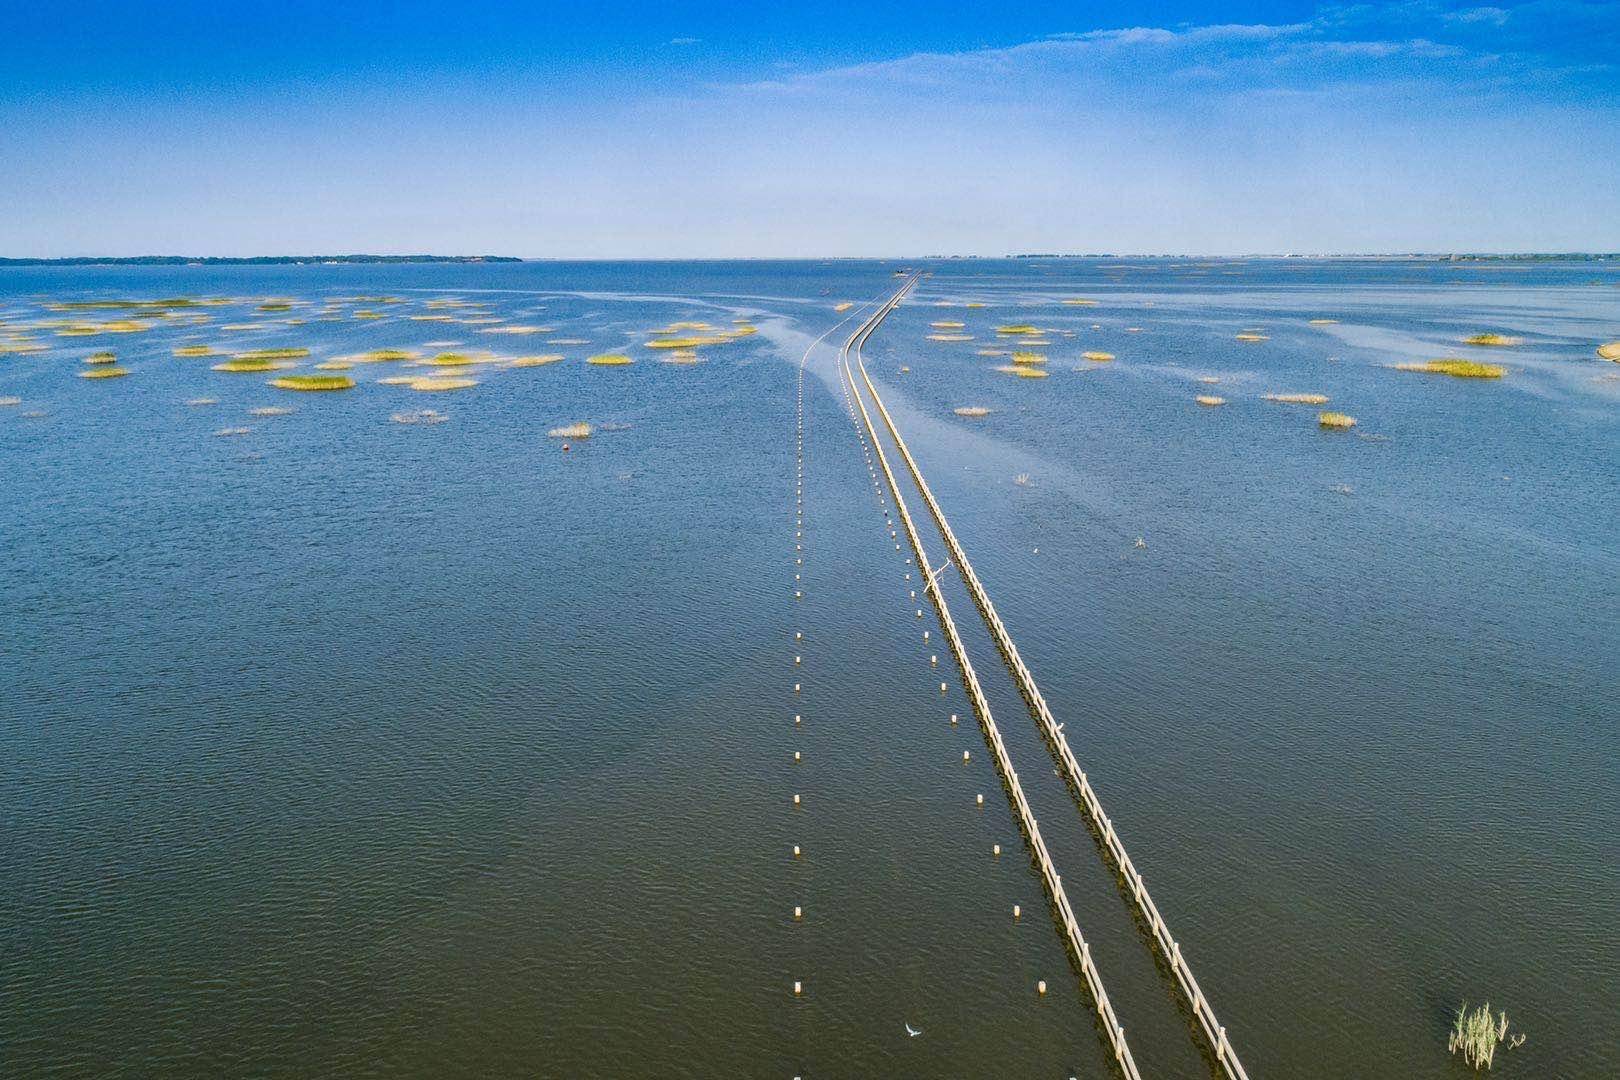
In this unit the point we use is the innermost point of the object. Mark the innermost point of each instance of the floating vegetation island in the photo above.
(535, 361)
(1098, 357)
(1298, 399)
(272, 354)
(1336, 421)
(1462, 369)
(104, 373)
(609, 360)
(580, 430)
(1493, 340)
(195, 350)
(439, 383)
(313, 382)
(972, 411)
(1210, 399)
(250, 364)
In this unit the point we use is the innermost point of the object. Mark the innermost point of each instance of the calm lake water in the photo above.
(349, 746)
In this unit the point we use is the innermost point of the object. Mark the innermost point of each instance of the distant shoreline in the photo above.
(254, 260)
(397, 260)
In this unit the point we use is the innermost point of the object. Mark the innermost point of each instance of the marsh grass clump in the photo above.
(382, 356)
(1298, 399)
(535, 361)
(1493, 340)
(7, 402)
(1251, 336)
(272, 354)
(451, 359)
(313, 382)
(1018, 330)
(1028, 358)
(1210, 399)
(1098, 357)
(950, 337)
(1324, 322)
(609, 360)
(1336, 421)
(195, 350)
(1080, 301)
(334, 365)
(947, 324)
(249, 364)
(580, 430)
(101, 358)
(972, 411)
(1476, 1035)
(1023, 371)
(441, 383)
(104, 372)
(1462, 369)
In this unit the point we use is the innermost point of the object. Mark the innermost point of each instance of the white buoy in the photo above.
(965, 755)
(942, 688)
(798, 595)
(919, 613)
(799, 989)
(1016, 912)
(795, 851)
(798, 912)
(796, 756)
(796, 800)
(953, 719)
(934, 660)
(996, 850)
(1040, 987)
(798, 635)
(797, 718)
(925, 635)
(980, 798)
(798, 659)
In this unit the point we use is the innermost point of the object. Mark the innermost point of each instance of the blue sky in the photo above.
(685, 129)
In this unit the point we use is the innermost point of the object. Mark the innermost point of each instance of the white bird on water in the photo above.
(913, 1032)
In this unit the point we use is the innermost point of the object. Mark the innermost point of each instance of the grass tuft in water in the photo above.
(1462, 369)
(609, 360)
(1476, 1035)
(580, 430)
(313, 382)
(1494, 340)
(1336, 420)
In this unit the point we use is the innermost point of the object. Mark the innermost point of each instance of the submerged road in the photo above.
(1052, 733)
(1112, 1030)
